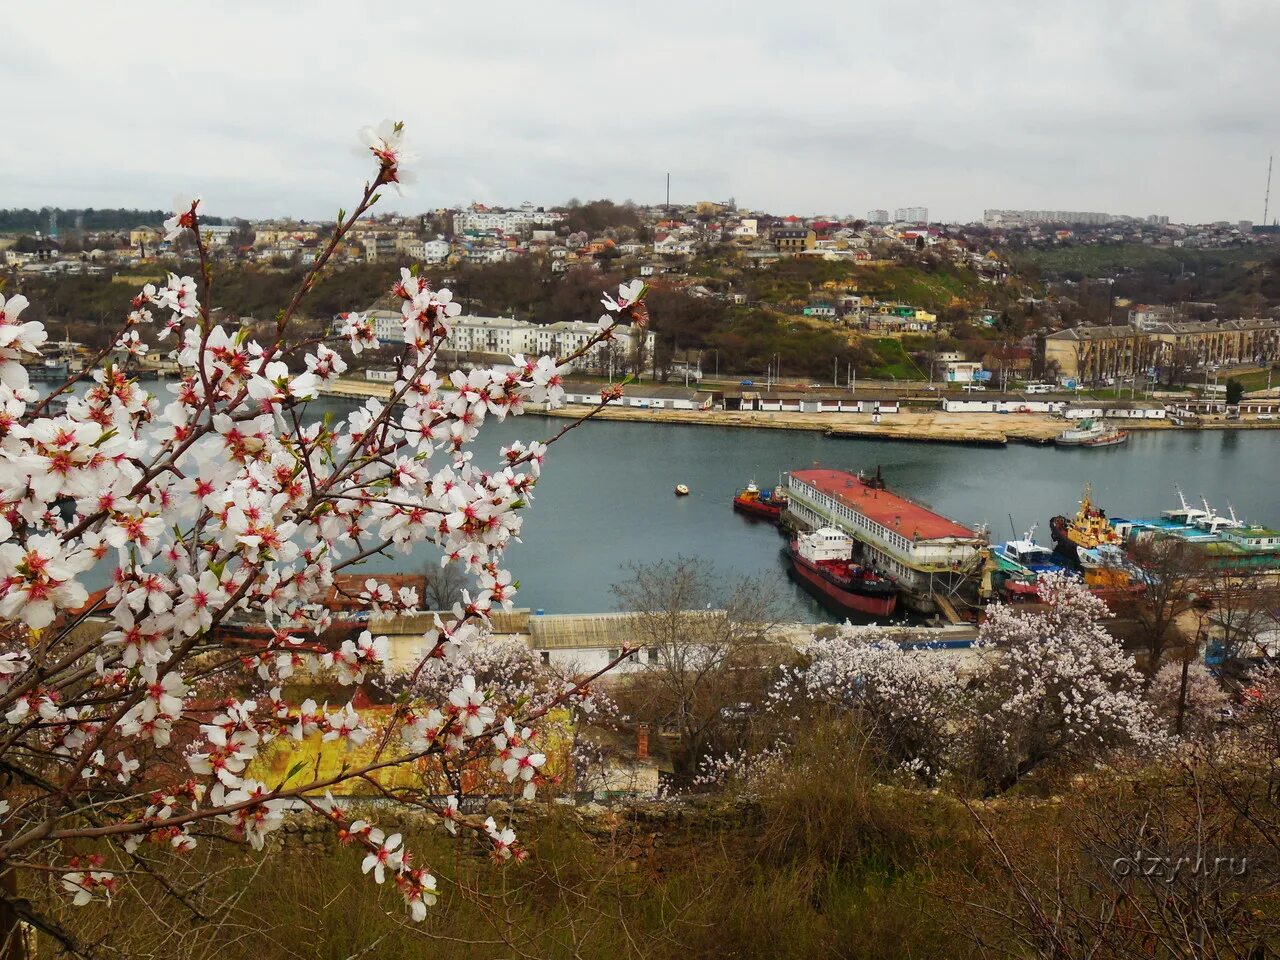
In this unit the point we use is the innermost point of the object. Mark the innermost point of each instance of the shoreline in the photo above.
(909, 426)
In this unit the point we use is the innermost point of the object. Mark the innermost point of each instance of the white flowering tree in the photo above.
(226, 498)
(1058, 686)
(912, 699)
(1045, 685)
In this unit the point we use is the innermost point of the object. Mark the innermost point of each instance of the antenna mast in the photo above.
(669, 191)
(1266, 203)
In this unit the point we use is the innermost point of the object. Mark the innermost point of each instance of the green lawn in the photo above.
(894, 362)
(1257, 380)
(929, 289)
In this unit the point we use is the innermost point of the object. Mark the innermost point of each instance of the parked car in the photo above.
(1265, 416)
(746, 383)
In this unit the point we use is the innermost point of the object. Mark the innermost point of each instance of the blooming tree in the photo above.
(227, 499)
(1060, 686)
(910, 697)
(1186, 694)
(1042, 685)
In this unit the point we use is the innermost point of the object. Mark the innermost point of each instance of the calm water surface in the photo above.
(605, 497)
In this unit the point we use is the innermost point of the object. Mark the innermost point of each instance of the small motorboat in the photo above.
(681, 490)
(755, 503)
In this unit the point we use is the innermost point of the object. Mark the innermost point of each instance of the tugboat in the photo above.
(1089, 429)
(1089, 529)
(767, 505)
(823, 562)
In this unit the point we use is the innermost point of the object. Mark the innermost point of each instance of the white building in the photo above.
(878, 216)
(485, 254)
(911, 215)
(428, 251)
(1022, 218)
(671, 245)
(508, 221)
(748, 229)
(216, 235)
(509, 336)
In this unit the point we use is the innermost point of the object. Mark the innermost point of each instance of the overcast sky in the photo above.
(1124, 106)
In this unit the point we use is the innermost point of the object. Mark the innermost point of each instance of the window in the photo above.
(545, 655)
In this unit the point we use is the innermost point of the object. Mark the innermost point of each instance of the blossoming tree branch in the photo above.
(226, 500)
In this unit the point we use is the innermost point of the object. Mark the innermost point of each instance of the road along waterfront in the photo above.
(923, 424)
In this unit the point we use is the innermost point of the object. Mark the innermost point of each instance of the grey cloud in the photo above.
(1140, 106)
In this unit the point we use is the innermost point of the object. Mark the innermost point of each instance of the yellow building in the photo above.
(1090, 354)
(794, 240)
(145, 236)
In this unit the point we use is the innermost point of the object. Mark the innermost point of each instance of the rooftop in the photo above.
(897, 513)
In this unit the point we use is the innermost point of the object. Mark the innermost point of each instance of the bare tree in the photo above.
(442, 586)
(1244, 606)
(639, 353)
(1169, 871)
(1174, 572)
(710, 655)
(1177, 364)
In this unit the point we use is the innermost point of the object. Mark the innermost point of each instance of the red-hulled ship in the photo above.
(767, 505)
(823, 561)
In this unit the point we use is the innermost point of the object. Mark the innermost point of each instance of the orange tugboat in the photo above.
(1088, 530)
(767, 505)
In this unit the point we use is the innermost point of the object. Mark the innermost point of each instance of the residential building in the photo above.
(479, 218)
(878, 217)
(1022, 218)
(1144, 316)
(1009, 362)
(216, 235)
(911, 215)
(669, 244)
(145, 237)
(509, 336)
(379, 247)
(428, 251)
(485, 254)
(794, 239)
(1090, 354)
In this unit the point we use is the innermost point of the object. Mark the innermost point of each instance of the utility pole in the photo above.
(1266, 202)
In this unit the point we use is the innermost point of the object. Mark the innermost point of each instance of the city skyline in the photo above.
(850, 109)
